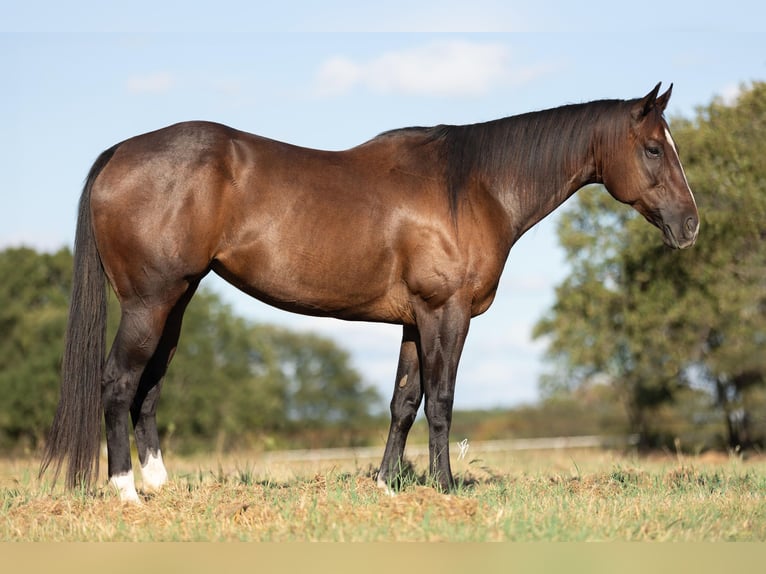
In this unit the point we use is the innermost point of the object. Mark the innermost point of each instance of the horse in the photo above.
(412, 227)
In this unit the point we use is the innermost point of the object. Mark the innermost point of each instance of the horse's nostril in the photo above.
(691, 226)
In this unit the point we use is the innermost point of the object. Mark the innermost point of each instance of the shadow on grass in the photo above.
(408, 476)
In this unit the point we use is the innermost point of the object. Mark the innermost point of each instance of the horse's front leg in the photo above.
(442, 335)
(408, 394)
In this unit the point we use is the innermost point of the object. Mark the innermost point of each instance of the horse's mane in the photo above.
(531, 153)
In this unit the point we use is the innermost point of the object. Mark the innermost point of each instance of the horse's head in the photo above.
(646, 173)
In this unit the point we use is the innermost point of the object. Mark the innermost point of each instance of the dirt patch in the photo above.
(419, 500)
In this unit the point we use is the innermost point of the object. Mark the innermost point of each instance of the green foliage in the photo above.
(224, 382)
(321, 389)
(252, 385)
(654, 322)
(232, 382)
(34, 295)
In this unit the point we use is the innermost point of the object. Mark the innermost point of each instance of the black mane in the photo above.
(535, 151)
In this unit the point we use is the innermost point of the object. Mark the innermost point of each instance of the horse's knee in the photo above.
(439, 414)
(403, 421)
(404, 409)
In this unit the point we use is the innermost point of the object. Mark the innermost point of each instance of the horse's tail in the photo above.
(76, 431)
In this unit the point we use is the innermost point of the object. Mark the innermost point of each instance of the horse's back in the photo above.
(353, 234)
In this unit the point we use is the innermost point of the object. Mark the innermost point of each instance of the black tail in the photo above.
(76, 431)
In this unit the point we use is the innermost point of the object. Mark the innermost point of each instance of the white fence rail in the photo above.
(546, 443)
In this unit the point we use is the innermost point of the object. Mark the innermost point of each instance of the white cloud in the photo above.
(338, 75)
(156, 83)
(454, 68)
(730, 94)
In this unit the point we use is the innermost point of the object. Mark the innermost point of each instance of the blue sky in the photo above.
(78, 77)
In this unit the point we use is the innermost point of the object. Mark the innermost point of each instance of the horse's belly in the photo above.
(313, 282)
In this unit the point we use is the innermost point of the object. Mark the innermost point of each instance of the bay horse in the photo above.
(412, 227)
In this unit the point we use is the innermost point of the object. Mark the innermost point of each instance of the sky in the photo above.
(78, 77)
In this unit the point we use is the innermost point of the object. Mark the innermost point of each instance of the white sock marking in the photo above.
(153, 472)
(125, 486)
(385, 488)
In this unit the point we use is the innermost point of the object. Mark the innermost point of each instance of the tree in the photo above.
(321, 389)
(224, 383)
(652, 321)
(246, 384)
(725, 155)
(600, 328)
(34, 295)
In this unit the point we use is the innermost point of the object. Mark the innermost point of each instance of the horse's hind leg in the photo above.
(140, 334)
(136, 340)
(144, 408)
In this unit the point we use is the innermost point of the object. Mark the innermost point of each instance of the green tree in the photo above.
(321, 389)
(723, 150)
(34, 293)
(652, 321)
(246, 384)
(223, 384)
(599, 327)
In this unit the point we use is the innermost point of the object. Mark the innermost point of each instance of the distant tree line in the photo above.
(678, 339)
(233, 383)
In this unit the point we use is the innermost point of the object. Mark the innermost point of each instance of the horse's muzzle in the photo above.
(684, 235)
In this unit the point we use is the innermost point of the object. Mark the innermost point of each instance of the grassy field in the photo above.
(557, 495)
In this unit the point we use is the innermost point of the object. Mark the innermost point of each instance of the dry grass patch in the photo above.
(552, 496)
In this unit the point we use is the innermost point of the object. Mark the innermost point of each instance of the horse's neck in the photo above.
(549, 155)
(529, 201)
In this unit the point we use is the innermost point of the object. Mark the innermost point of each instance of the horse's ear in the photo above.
(646, 104)
(662, 101)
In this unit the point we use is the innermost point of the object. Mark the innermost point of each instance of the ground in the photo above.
(552, 495)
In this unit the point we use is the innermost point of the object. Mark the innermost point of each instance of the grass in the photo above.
(571, 496)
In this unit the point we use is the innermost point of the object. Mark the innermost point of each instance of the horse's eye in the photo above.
(653, 151)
